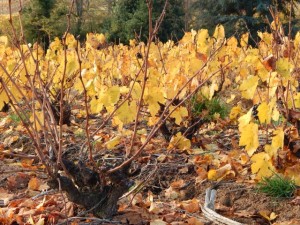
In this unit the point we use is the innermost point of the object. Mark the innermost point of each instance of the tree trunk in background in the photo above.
(79, 12)
(187, 4)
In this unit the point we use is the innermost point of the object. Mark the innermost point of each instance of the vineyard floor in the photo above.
(171, 183)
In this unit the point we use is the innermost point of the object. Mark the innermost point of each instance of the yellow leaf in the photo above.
(37, 120)
(72, 66)
(113, 142)
(71, 41)
(248, 87)
(244, 40)
(232, 97)
(277, 140)
(3, 40)
(249, 138)
(267, 215)
(284, 67)
(264, 113)
(126, 113)
(3, 44)
(270, 150)
(132, 42)
(245, 120)
(96, 105)
(178, 114)
(297, 40)
(276, 114)
(273, 216)
(136, 91)
(3, 98)
(110, 96)
(152, 120)
(261, 165)
(154, 95)
(180, 142)
(101, 38)
(235, 111)
(220, 173)
(113, 93)
(219, 33)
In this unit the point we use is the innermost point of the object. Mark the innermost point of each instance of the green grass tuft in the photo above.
(16, 119)
(214, 107)
(277, 186)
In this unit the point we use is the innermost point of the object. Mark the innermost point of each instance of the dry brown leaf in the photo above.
(138, 199)
(158, 222)
(27, 163)
(178, 184)
(296, 201)
(190, 206)
(194, 221)
(172, 193)
(18, 181)
(155, 208)
(202, 173)
(293, 173)
(10, 140)
(34, 184)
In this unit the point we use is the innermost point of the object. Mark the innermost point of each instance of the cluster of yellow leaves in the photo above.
(114, 76)
(259, 82)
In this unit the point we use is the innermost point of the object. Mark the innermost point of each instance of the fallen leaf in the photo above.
(262, 165)
(4, 197)
(267, 215)
(138, 199)
(18, 181)
(194, 221)
(293, 172)
(178, 184)
(10, 140)
(219, 174)
(190, 206)
(34, 184)
(249, 138)
(180, 142)
(113, 142)
(154, 208)
(202, 173)
(41, 221)
(172, 193)
(158, 222)
(161, 158)
(296, 201)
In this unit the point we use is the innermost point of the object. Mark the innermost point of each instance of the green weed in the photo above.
(277, 186)
(214, 107)
(16, 119)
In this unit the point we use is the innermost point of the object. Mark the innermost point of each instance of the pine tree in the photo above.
(238, 16)
(35, 17)
(129, 20)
